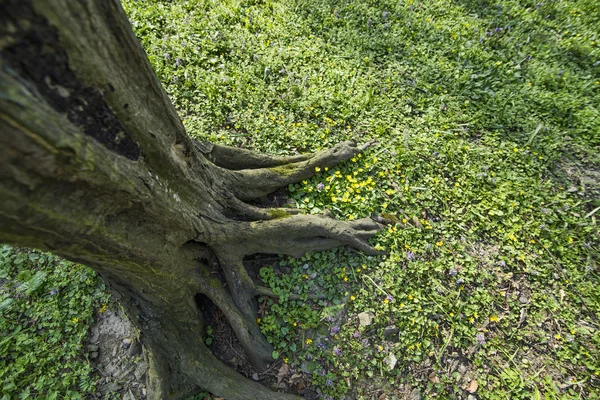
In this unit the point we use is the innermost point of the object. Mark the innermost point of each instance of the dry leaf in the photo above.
(283, 371)
(472, 388)
(433, 377)
(295, 378)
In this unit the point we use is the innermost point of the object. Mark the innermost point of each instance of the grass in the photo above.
(487, 166)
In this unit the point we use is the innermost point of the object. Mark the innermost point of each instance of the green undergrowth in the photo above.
(486, 114)
(46, 307)
(487, 168)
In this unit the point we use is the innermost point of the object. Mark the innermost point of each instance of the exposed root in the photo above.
(248, 175)
(248, 184)
(234, 158)
(299, 234)
(256, 347)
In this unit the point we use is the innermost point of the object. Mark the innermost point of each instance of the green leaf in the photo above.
(5, 304)
(275, 354)
(33, 284)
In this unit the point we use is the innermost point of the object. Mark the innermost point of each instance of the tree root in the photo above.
(247, 175)
(234, 158)
(244, 325)
(296, 235)
(248, 184)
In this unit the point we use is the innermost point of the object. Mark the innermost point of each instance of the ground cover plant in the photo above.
(46, 307)
(485, 171)
(487, 119)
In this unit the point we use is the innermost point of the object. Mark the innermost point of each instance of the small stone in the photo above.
(471, 397)
(391, 361)
(126, 342)
(523, 299)
(462, 369)
(255, 376)
(365, 319)
(94, 355)
(390, 331)
(415, 395)
(144, 391)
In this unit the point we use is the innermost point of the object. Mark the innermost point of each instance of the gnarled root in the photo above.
(234, 158)
(247, 175)
(248, 184)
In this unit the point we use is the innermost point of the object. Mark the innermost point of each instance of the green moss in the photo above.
(279, 213)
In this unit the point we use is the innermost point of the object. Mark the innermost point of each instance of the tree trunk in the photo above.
(96, 167)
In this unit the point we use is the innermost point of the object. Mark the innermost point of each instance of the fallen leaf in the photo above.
(472, 388)
(283, 371)
(295, 378)
(433, 378)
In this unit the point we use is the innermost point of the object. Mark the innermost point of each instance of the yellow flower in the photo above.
(494, 318)
(364, 266)
(352, 298)
(557, 336)
(258, 320)
(308, 341)
(386, 301)
(75, 320)
(440, 243)
(285, 360)
(317, 169)
(295, 324)
(103, 308)
(345, 279)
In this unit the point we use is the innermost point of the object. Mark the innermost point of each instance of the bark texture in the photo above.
(96, 167)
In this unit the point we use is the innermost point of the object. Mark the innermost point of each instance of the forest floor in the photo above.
(487, 165)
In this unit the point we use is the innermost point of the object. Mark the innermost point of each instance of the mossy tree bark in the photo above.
(96, 166)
